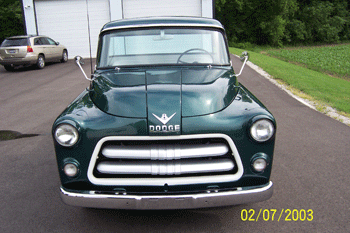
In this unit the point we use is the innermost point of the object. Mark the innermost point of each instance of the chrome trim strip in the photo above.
(164, 152)
(190, 201)
(168, 25)
(168, 180)
(174, 167)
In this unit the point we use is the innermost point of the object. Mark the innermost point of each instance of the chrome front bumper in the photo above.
(189, 201)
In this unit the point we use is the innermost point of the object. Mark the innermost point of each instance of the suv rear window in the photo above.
(15, 42)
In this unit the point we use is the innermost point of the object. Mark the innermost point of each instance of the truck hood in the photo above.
(164, 95)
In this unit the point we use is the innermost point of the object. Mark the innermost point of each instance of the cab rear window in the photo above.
(15, 42)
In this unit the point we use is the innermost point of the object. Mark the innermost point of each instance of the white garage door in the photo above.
(142, 8)
(66, 22)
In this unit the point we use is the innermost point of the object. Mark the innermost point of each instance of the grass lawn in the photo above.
(333, 60)
(319, 87)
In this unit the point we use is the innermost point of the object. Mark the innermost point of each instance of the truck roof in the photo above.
(162, 21)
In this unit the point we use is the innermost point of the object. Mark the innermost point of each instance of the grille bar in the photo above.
(164, 152)
(174, 167)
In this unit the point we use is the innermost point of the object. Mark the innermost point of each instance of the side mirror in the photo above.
(244, 58)
(57, 43)
(79, 61)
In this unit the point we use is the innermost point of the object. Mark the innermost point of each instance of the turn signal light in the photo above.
(29, 49)
(70, 169)
(259, 164)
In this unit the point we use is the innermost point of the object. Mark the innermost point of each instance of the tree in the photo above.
(269, 22)
(255, 21)
(11, 21)
(320, 21)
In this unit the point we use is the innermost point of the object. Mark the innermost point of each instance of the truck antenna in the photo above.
(88, 20)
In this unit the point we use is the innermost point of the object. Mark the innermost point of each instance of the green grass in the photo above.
(333, 60)
(334, 92)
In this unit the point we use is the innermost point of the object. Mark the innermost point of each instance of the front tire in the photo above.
(40, 63)
(64, 56)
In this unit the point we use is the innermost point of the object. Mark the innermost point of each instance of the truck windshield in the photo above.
(165, 46)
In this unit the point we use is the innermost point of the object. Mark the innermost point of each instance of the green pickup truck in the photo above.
(164, 123)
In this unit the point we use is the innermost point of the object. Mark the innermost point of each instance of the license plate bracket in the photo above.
(12, 51)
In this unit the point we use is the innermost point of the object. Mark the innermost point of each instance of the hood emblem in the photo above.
(164, 128)
(164, 119)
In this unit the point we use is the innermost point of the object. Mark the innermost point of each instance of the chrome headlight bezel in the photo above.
(66, 135)
(262, 130)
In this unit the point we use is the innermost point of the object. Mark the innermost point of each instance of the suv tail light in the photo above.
(29, 49)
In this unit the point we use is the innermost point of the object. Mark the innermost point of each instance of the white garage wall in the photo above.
(66, 21)
(143, 8)
(99, 15)
(29, 16)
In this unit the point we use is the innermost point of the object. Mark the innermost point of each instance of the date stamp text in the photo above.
(286, 215)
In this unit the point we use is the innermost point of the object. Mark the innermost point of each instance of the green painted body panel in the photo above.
(187, 91)
(114, 92)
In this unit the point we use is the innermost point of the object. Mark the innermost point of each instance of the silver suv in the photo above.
(30, 50)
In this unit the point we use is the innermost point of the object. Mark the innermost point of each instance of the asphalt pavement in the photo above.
(310, 168)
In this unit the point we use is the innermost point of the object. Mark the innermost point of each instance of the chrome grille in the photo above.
(164, 158)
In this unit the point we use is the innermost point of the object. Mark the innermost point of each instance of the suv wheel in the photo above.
(40, 63)
(64, 56)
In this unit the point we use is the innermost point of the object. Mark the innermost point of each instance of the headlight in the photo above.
(66, 135)
(262, 130)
